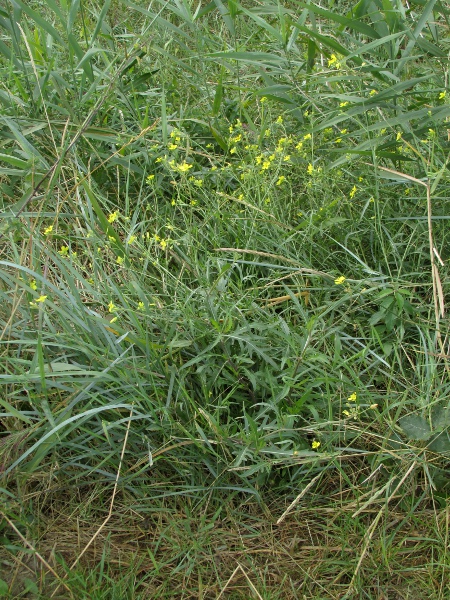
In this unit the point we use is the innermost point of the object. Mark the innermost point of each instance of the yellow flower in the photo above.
(352, 397)
(339, 280)
(120, 260)
(112, 307)
(33, 284)
(233, 150)
(398, 136)
(299, 146)
(353, 191)
(333, 61)
(342, 104)
(315, 445)
(141, 306)
(307, 137)
(40, 299)
(163, 244)
(48, 230)
(114, 319)
(183, 167)
(352, 413)
(442, 95)
(132, 239)
(150, 178)
(113, 217)
(172, 146)
(265, 165)
(287, 158)
(310, 169)
(64, 250)
(281, 180)
(372, 92)
(279, 120)
(263, 99)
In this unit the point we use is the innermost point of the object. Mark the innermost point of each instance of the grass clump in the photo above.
(223, 278)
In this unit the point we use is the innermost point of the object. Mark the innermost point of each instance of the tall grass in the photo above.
(224, 259)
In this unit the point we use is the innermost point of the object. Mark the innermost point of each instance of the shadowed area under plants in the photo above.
(341, 539)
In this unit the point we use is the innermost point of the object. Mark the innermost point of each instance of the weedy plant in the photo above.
(223, 279)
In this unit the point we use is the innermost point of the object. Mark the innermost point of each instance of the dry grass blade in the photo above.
(257, 253)
(298, 498)
(250, 583)
(112, 500)
(38, 556)
(438, 294)
(374, 524)
(280, 299)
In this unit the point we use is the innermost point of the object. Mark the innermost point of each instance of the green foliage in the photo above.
(224, 244)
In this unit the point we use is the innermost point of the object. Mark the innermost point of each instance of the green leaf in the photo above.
(354, 24)
(440, 443)
(40, 21)
(263, 24)
(415, 427)
(250, 57)
(13, 160)
(72, 16)
(107, 228)
(367, 48)
(51, 434)
(440, 417)
(101, 18)
(13, 411)
(219, 139)
(219, 93)
(31, 587)
(327, 41)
